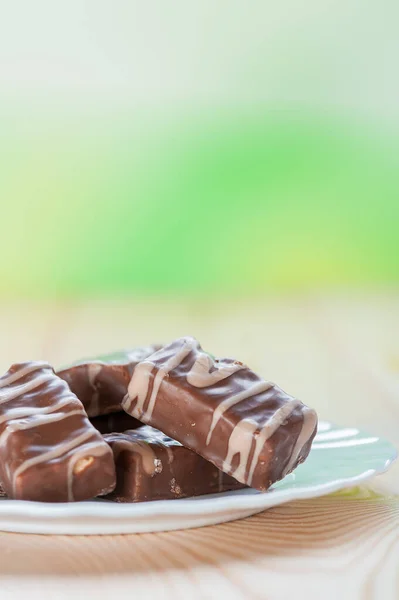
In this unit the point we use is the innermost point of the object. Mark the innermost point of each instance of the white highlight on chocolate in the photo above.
(23, 388)
(201, 376)
(308, 426)
(258, 388)
(30, 368)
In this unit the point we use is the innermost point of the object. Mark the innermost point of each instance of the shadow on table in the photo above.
(317, 527)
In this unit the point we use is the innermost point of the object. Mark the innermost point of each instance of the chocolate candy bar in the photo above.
(101, 383)
(49, 451)
(115, 422)
(152, 466)
(246, 426)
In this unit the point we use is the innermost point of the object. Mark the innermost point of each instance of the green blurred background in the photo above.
(197, 148)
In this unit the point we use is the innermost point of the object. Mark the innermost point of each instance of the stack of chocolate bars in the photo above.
(149, 424)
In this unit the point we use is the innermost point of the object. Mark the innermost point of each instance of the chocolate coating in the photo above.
(152, 466)
(49, 451)
(115, 422)
(246, 426)
(101, 383)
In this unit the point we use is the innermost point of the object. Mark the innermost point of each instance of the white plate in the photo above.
(340, 458)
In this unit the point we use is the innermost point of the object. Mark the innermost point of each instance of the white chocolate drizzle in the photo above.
(24, 417)
(52, 454)
(140, 382)
(169, 452)
(23, 388)
(42, 419)
(138, 388)
(240, 442)
(93, 371)
(30, 368)
(308, 426)
(258, 388)
(201, 376)
(147, 454)
(246, 430)
(22, 412)
(220, 481)
(268, 430)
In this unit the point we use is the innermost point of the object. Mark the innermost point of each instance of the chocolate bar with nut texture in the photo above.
(49, 451)
(115, 422)
(246, 426)
(152, 466)
(101, 383)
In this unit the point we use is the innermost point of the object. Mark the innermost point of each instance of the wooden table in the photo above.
(340, 353)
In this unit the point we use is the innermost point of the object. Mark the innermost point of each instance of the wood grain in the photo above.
(339, 353)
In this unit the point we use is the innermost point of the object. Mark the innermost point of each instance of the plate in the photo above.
(340, 458)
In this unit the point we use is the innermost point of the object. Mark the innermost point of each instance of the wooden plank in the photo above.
(336, 544)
